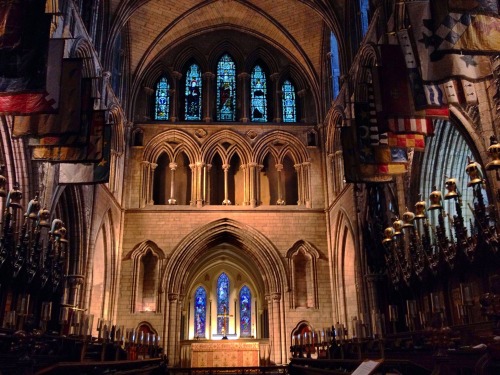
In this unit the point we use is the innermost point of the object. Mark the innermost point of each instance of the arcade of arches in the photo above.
(234, 202)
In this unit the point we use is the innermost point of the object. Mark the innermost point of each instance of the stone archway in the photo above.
(256, 247)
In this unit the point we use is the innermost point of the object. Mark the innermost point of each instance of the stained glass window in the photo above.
(334, 53)
(200, 312)
(364, 8)
(226, 89)
(162, 100)
(193, 94)
(222, 304)
(288, 101)
(258, 95)
(245, 312)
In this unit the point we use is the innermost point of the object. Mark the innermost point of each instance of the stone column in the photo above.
(173, 320)
(277, 93)
(148, 170)
(173, 167)
(246, 184)
(192, 201)
(253, 183)
(280, 201)
(226, 201)
(276, 327)
(199, 183)
(300, 179)
(174, 93)
(208, 96)
(306, 183)
(244, 78)
(207, 190)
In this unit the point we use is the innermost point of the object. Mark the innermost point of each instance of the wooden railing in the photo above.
(262, 370)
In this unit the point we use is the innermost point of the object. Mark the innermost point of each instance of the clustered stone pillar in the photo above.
(304, 177)
(253, 183)
(148, 170)
(173, 308)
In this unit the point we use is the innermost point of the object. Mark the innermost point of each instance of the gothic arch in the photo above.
(255, 245)
(146, 275)
(216, 143)
(172, 142)
(335, 161)
(302, 263)
(105, 268)
(82, 49)
(222, 48)
(141, 248)
(345, 267)
(279, 144)
(186, 56)
(261, 54)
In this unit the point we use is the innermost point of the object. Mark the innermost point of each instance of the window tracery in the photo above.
(245, 312)
(200, 312)
(226, 89)
(193, 92)
(162, 104)
(222, 303)
(288, 102)
(258, 93)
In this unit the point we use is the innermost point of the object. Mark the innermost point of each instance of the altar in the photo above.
(224, 353)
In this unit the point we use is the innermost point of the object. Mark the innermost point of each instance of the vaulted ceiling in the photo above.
(296, 28)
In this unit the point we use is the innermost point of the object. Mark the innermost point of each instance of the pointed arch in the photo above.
(254, 244)
(227, 143)
(147, 260)
(345, 269)
(302, 262)
(172, 142)
(279, 143)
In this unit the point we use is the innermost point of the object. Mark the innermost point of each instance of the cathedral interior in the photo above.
(293, 180)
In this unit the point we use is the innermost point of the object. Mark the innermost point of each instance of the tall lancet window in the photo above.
(258, 95)
(226, 89)
(162, 102)
(200, 312)
(192, 106)
(334, 55)
(288, 102)
(245, 312)
(222, 304)
(364, 8)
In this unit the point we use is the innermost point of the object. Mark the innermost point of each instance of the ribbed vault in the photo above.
(198, 244)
